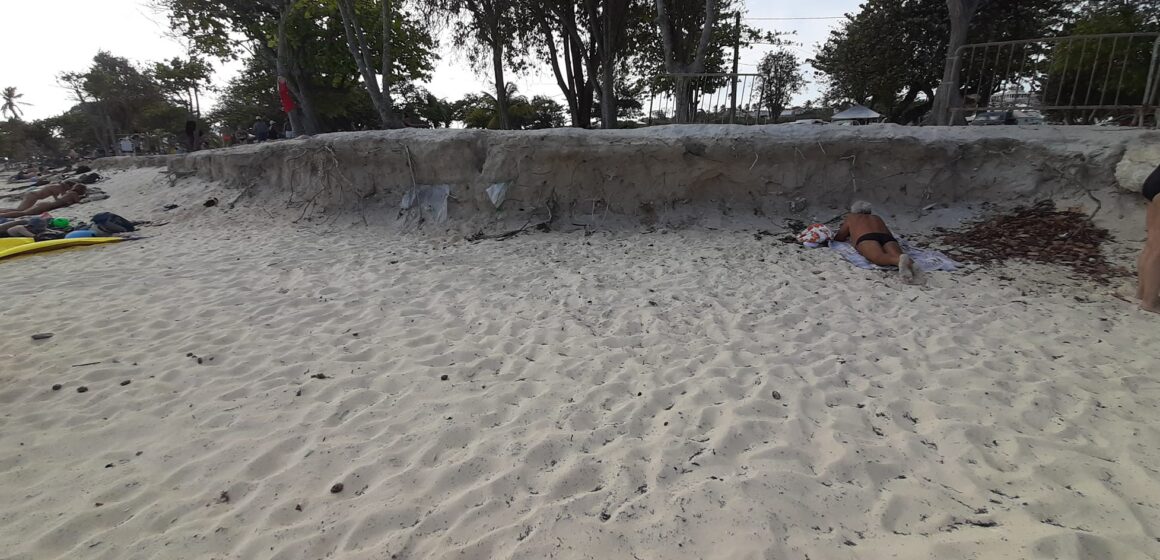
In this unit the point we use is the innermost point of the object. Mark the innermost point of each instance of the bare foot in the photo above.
(907, 270)
(919, 278)
(904, 269)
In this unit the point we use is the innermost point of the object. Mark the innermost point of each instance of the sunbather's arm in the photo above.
(843, 232)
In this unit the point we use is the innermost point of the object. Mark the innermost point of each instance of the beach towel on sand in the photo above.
(928, 260)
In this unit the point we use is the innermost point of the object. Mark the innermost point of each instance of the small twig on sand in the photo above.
(1099, 205)
(88, 364)
(853, 162)
(755, 157)
(509, 234)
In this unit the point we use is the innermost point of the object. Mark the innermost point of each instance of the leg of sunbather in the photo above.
(15, 228)
(38, 208)
(1149, 262)
(879, 255)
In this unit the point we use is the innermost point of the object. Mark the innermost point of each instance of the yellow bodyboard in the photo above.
(10, 242)
(36, 247)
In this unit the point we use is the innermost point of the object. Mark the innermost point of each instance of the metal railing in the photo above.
(713, 99)
(1082, 79)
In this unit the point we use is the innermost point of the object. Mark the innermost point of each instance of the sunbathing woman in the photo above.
(73, 196)
(55, 190)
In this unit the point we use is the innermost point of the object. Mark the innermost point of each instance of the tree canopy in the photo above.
(858, 66)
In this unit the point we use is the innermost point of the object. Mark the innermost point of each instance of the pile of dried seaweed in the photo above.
(1038, 233)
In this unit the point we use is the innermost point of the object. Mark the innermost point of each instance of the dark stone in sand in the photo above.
(98, 504)
(336, 488)
(224, 497)
(318, 376)
(42, 336)
(776, 396)
(125, 382)
(443, 377)
(56, 387)
(109, 466)
(82, 389)
(298, 507)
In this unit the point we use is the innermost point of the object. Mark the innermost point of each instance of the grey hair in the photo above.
(861, 207)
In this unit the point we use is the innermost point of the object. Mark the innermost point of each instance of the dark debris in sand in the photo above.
(1039, 233)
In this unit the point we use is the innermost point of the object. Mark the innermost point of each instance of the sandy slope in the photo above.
(694, 394)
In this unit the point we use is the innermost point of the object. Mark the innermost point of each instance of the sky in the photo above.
(31, 59)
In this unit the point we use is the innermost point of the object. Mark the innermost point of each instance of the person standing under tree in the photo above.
(261, 129)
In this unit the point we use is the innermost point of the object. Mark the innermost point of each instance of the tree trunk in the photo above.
(359, 50)
(582, 65)
(281, 58)
(682, 94)
(567, 84)
(684, 109)
(607, 96)
(961, 12)
(501, 96)
(310, 120)
(388, 58)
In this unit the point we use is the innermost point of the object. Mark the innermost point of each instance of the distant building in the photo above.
(1015, 97)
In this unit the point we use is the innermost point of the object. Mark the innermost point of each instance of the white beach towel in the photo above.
(928, 260)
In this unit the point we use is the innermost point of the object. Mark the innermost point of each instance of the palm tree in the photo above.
(11, 106)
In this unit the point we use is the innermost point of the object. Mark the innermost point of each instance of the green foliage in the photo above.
(628, 103)
(646, 63)
(116, 97)
(421, 105)
(12, 103)
(184, 80)
(859, 65)
(1091, 71)
(319, 61)
(23, 141)
(481, 111)
(780, 77)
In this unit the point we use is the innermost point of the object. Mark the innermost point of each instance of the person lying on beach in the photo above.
(22, 228)
(54, 191)
(73, 196)
(874, 241)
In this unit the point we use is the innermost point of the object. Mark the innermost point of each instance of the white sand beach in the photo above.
(658, 394)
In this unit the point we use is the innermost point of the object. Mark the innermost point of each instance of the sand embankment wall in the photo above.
(733, 170)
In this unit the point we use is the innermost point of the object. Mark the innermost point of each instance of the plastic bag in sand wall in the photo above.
(429, 201)
(497, 192)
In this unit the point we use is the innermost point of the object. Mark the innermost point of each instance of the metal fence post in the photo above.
(1153, 82)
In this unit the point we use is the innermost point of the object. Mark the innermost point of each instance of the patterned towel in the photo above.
(928, 260)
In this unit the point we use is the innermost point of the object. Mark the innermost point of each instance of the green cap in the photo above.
(58, 223)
